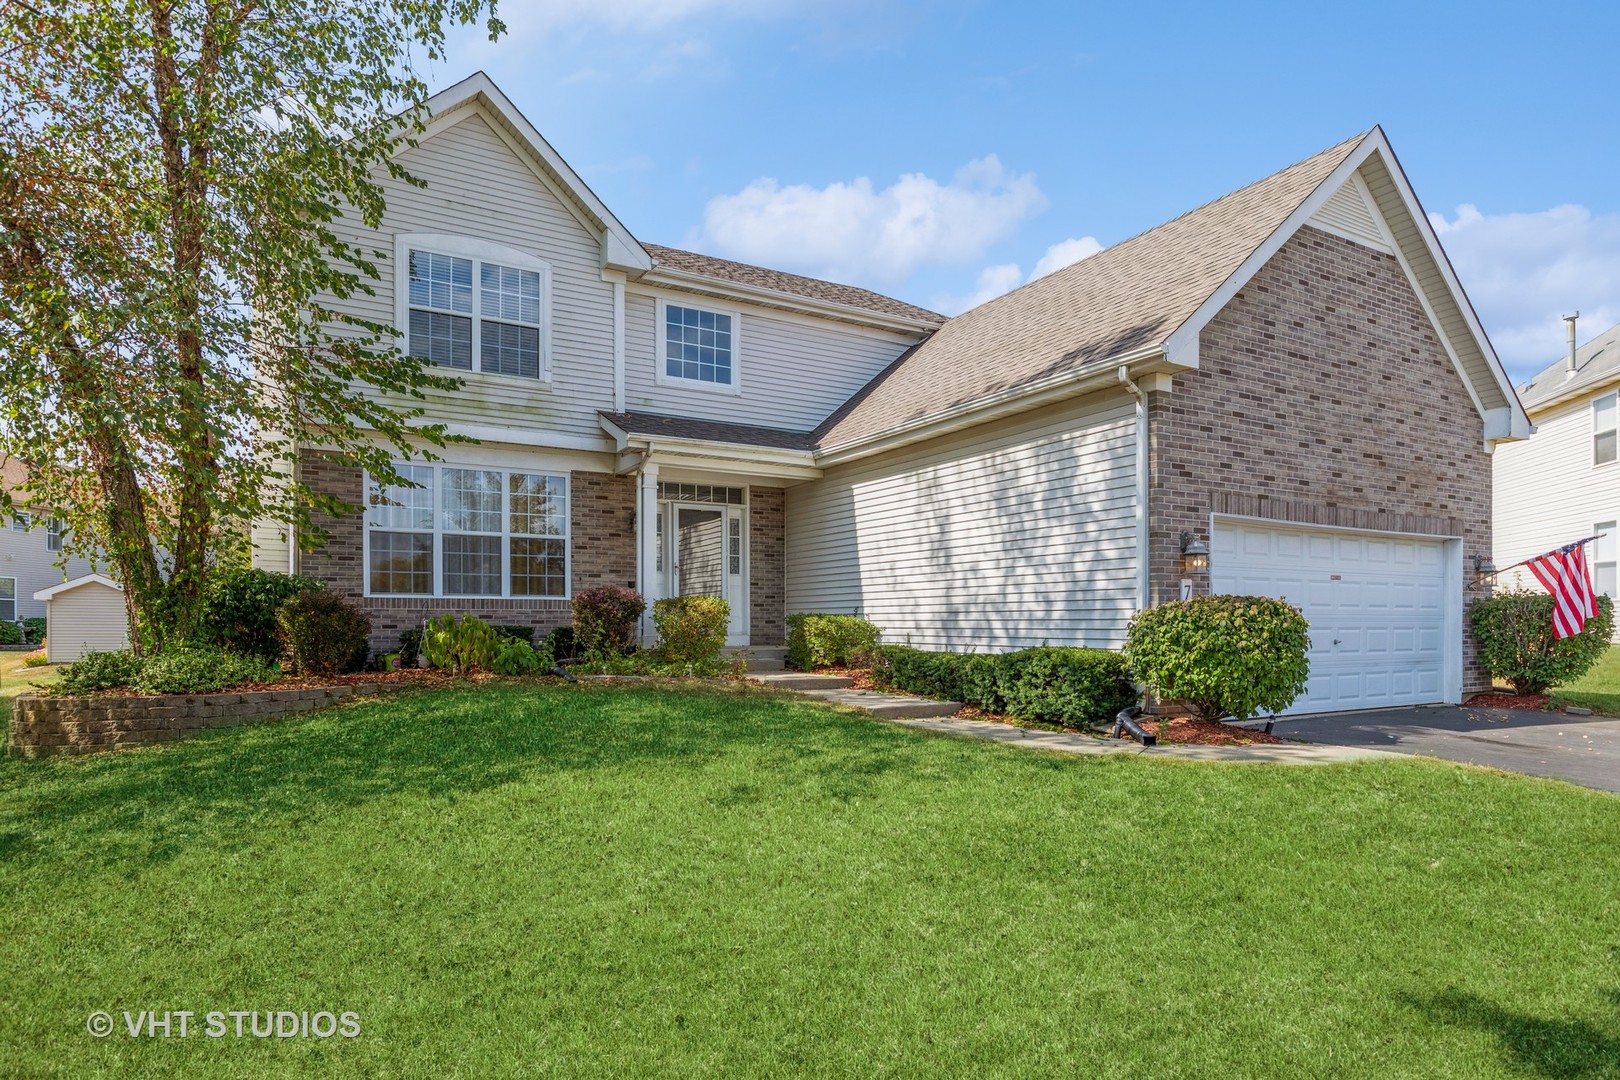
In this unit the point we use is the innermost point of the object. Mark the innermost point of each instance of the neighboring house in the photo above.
(30, 553)
(1563, 483)
(1290, 374)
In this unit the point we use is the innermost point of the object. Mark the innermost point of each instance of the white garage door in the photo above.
(1377, 607)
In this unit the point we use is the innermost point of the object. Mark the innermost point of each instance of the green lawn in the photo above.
(16, 679)
(610, 881)
(1598, 689)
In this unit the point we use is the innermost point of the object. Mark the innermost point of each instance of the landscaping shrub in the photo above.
(1226, 655)
(829, 641)
(605, 620)
(239, 609)
(199, 669)
(1068, 686)
(10, 634)
(691, 629)
(514, 656)
(524, 634)
(323, 633)
(462, 644)
(562, 645)
(33, 630)
(410, 647)
(36, 659)
(100, 671)
(1516, 643)
(916, 671)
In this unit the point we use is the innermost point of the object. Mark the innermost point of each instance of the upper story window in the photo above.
(53, 534)
(475, 306)
(1603, 429)
(1603, 558)
(698, 346)
(20, 521)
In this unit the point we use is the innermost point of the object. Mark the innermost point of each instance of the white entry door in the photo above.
(1384, 630)
(705, 558)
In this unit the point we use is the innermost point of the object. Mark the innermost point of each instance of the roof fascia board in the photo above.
(66, 586)
(685, 279)
(1566, 395)
(1102, 374)
(659, 448)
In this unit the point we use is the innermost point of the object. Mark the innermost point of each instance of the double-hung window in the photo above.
(53, 534)
(698, 347)
(471, 306)
(1603, 430)
(8, 599)
(466, 532)
(1603, 558)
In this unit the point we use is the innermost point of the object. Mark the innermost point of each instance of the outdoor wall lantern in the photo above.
(1484, 570)
(1194, 554)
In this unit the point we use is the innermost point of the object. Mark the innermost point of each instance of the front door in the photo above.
(706, 559)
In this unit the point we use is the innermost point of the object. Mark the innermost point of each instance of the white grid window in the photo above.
(697, 345)
(489, 532)
(8, 599)
(53, 534)
(734, 545)
(441, 309)
(1603, 430)
(474, 306)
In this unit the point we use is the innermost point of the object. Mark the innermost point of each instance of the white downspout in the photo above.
(618, 345)
(647, 539)
(1143, 574)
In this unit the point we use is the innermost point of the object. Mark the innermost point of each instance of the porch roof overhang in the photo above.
(643, 439)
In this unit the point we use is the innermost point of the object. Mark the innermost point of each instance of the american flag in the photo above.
(1564, 574)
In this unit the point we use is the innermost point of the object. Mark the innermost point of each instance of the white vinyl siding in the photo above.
(89, 618)
(992, 541)
(798, 371)
(1349, 213)
(27, 557)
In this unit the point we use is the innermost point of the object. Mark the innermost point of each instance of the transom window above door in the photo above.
(697, 346)
(475, 306)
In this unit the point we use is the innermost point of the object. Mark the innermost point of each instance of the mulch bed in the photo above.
(1496, 699)
(1188, 731)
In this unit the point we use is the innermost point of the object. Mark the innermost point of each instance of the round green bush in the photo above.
(1226, 655)
(10, 634)
(514, 656)
(100, 671)
(605, 620)
(462, 645)
(691, 629)
(323, 633)
(239, 609)
(1514, 630)
(816, 641)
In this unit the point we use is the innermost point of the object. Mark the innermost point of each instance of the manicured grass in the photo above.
(16, 679)
(609, 881)
(1598, 689)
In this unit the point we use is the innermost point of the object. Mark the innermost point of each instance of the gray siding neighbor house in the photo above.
(1290, 374)
(31, 557)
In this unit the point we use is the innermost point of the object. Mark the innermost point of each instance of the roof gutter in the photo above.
(685, 279)
(982, 410)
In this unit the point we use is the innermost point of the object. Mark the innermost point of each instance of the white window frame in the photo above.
(1607, 543)
(55, 534)
(1613, 397)
(439, 533)
(661, 340)
(21, 521)
(479, 251)
(13, 599)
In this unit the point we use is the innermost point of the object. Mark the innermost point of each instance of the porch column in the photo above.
(647, 544)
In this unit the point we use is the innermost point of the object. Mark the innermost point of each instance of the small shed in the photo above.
(82, 616)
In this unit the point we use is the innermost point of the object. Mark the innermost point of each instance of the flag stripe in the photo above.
(1564, 574)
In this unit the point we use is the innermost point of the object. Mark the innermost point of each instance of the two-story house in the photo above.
(31, 555)
(1289, 378)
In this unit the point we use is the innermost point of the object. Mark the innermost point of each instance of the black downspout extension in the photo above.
(561, 673)
(1126, 720)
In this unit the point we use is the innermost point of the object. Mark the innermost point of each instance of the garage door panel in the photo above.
(1376, 606)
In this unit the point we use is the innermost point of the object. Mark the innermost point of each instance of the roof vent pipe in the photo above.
(1571, 320)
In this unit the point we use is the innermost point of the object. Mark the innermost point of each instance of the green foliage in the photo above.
(605, 621)
(652, 663)
(322, 633)
(199, 669)
(10, 634)
(514, 656)
(36, 659)
(1515, 635)
(410, 647)
(239, 609)
(1227, 655)
(1067, 686)
(463, 645)
(816, 641)
(33, 629)
(691, 629)
(100, 671)
(524, 634)
(562, 645)
(186, 186)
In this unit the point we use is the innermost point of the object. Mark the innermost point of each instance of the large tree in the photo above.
(174, 175)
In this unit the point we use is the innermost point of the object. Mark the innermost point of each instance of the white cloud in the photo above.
(1524, 271)
(855, 232)
(993, 281)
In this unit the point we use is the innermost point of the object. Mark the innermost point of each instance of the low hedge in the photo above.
(816, 640)
(1514, 629)
(1057, 685)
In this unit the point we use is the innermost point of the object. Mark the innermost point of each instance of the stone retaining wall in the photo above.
(42, 726)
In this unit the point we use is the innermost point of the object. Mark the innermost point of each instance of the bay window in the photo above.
(468, 532)
(474, 306)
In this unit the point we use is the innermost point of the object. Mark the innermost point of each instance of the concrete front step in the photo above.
(798, 680)
(888, 706)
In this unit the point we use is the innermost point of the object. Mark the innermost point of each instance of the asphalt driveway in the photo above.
(1584, 750)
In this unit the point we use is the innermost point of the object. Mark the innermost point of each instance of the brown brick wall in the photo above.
(1323, 396)
(767, 558)
(47, 726)
(602, 551)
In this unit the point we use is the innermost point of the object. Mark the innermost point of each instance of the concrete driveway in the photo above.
(1584, 750)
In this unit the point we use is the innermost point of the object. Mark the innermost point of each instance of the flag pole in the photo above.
(1532, 558)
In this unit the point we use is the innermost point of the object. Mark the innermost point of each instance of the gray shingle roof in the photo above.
(680, 427)
(792, 284)
(1128, 296)
(1595, 362)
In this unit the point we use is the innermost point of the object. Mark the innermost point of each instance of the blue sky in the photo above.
(945, 150)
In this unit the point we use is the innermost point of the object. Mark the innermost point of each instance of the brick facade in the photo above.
(602, 551)
(1323, 396)
(767, 566)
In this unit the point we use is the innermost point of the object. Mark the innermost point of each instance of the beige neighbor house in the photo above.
(1563, 483)
(1290, 374)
